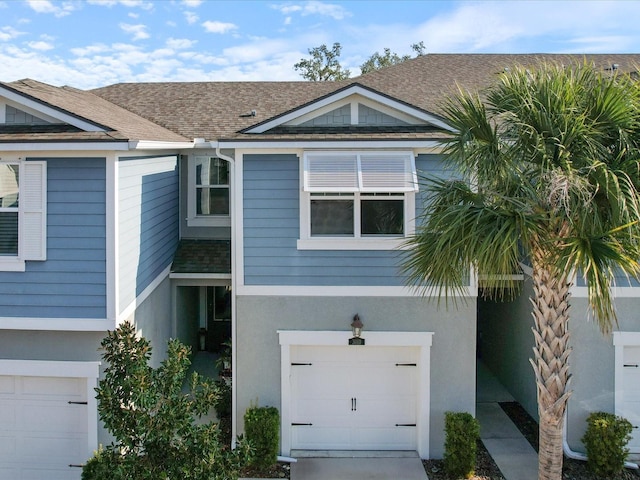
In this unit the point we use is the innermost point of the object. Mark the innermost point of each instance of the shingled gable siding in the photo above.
(272, 228)
(71, 283)
(148, 221)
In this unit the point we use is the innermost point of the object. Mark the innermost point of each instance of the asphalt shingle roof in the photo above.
(119, 123)
(202, 256)
(221, 110)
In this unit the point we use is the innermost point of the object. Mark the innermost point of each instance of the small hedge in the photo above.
(606, 442)
(262, 430)
(462, 432)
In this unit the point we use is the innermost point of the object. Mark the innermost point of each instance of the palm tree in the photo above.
(548, 167)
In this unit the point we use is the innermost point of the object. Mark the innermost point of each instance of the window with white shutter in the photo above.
(22, 213)
(357, 200)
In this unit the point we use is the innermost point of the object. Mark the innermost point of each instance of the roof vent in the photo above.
(253, 113)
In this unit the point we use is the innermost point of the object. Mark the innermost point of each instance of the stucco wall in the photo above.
(506, 346)
(452, 353)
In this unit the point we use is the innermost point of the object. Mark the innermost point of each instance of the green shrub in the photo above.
(462, 433)
(262, 430)
(154, 421)
(222, 404)
(606, 441)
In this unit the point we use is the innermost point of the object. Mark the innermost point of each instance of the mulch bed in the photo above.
(486, 468)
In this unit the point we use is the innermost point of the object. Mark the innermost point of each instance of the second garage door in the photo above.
(44, 427)
(353, 398)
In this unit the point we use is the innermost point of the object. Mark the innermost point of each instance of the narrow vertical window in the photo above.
(9, 204)
(212, 186)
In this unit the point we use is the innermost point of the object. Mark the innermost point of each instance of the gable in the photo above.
(352, 107)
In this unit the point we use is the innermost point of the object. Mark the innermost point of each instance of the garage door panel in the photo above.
(42, 434)
(7, 385)
(395, 438)
(354, 397)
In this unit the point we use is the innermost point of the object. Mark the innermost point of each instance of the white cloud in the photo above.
(314, 7)
(191, 17)
(138, 31)
(144, 5)
(9, 33)
(90, 50)
(41, 46)
(58, 9)
(192, 3)
(219, 27)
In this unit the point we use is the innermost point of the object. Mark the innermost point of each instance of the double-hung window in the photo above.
(209, 192)
(357, 200)
(22, 213)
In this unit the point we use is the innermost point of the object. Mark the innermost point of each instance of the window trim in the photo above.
(32, 215)
(193, 219)
(307, 242)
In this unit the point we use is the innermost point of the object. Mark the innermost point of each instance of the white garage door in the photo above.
(43, 427)
(630, 405)
(353, 398)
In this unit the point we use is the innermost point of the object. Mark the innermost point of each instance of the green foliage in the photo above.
(606, 441)
(222, 404)
(262, 428)
(462, 432)
(323, 64)
(389, 58)
(543, 165)
(154, 420)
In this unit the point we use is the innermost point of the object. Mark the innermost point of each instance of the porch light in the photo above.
(356, 328)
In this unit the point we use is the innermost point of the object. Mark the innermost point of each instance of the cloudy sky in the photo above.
(91, 43)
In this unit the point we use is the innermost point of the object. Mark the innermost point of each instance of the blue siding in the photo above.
(148, 221)
(272, 228)
(71, 283)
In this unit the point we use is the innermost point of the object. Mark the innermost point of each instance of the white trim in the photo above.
(12, 264)
(159, 145)
(351, 243)
(341, 291)
(620, 341)
(193, 219)
(347, 92)
(57, 324)
(617, 292)
(422, 340)
(276, 145)
(139, 300)
(43, 368)
(43, 109)
(200, 276)
(3, 111)
(112, 233)
(60, 147)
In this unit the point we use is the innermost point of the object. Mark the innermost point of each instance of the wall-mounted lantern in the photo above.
(356, 328)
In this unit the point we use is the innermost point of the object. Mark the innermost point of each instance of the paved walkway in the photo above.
(358, 469)
(515, 457)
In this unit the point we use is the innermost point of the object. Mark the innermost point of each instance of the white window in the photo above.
(357, 200)
(208, 192)
(22, 213)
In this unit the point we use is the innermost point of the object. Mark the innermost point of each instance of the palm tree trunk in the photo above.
(551, 367)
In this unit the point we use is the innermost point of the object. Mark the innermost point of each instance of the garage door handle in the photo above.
(76, 403)
(72, 465)
(406, 364)
(354, 404)
(635, 365)
(301, 424)
(405, 424)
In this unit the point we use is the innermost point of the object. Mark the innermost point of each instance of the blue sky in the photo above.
(91, 43)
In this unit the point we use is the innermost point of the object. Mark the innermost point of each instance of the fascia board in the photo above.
(343, 94)
(64, 146)
(261, 143)
(160, 145)
(43, 108)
